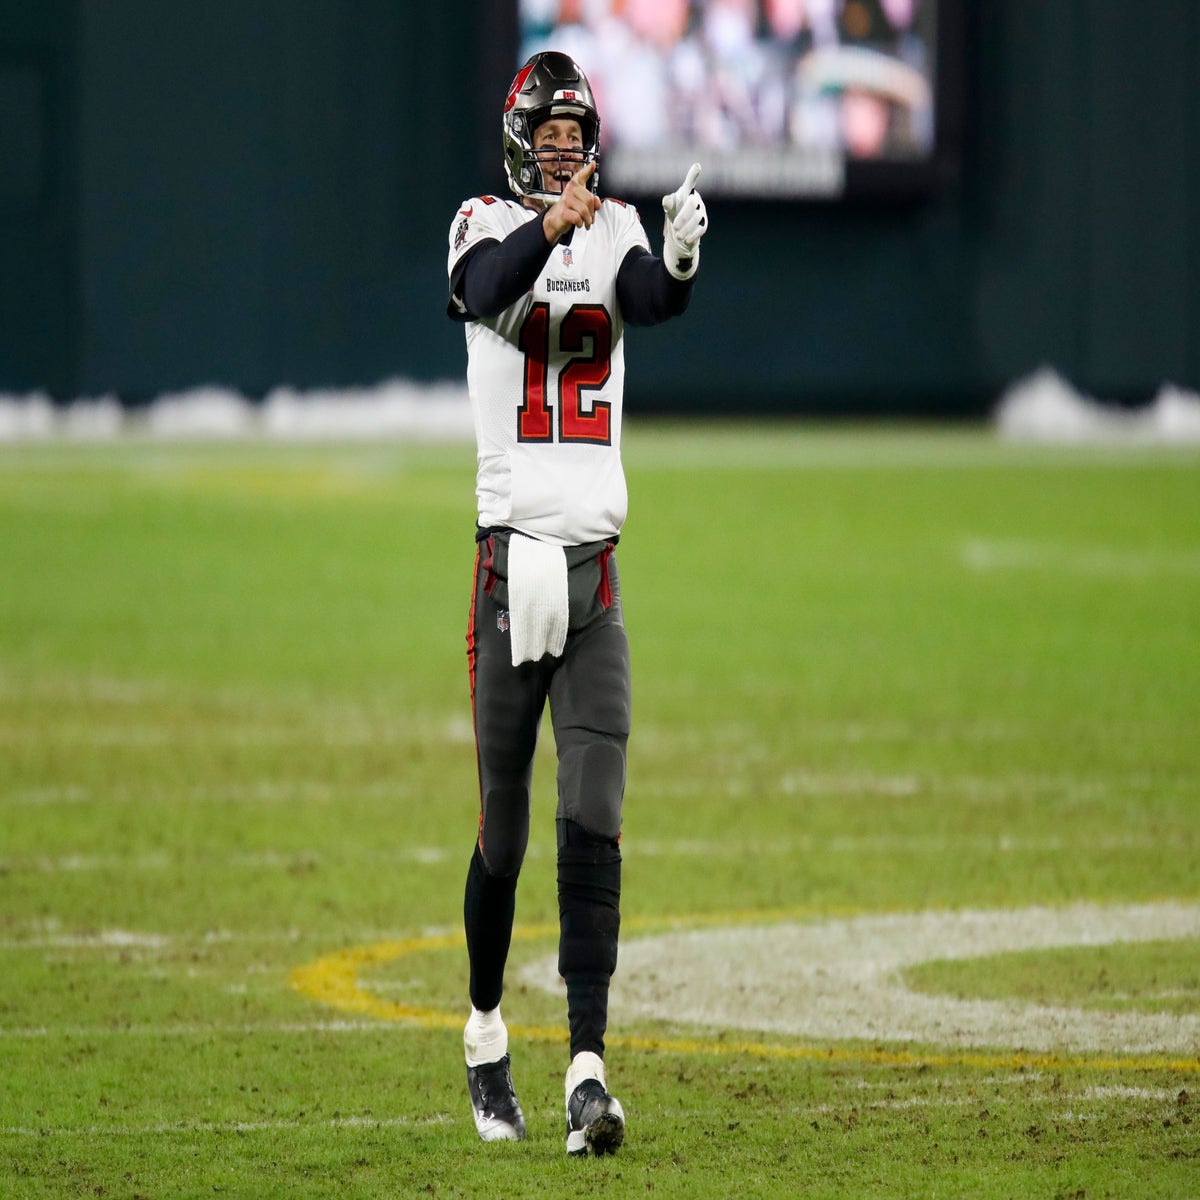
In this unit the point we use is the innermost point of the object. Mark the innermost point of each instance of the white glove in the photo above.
(685, 222)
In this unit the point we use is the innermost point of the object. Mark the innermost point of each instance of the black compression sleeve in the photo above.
(495, 274)
(647, 293)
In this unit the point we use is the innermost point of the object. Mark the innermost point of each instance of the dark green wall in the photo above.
(257, 192)
(259, 204)
(39, 283)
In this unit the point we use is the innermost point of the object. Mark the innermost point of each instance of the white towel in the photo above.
(537, 598)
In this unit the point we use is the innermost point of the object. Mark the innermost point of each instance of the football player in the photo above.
(545, 284)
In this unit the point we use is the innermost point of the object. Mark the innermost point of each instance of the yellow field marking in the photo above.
(333, 980)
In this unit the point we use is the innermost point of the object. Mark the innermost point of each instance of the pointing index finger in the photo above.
(584, 173)
(672, 202)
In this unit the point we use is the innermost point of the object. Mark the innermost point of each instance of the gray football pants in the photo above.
(588, 690)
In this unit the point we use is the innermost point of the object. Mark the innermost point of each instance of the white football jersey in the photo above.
(546, 379)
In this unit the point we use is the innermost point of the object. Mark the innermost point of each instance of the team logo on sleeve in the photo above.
(460, 234)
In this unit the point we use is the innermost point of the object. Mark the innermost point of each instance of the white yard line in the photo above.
(633, 848)
(257, 860)
(194, 1127)
(185, 1030)
(981, 554)
(877, 843)
(49, 934)
(1091, 1095)
(264, 792)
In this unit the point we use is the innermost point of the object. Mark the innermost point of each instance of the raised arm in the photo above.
(651, 290)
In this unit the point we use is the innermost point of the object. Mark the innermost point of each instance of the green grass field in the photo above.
(883, 677)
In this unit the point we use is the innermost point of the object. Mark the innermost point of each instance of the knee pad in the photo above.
(504, 829)
(591, 787)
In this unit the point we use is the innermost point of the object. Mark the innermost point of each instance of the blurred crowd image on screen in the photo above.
(855, 75)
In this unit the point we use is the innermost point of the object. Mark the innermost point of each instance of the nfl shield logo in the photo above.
(502, 620)
(566, 256)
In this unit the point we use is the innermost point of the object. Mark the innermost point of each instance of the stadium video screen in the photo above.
(787, 99)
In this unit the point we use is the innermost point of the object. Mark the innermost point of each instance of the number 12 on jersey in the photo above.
(585, 333)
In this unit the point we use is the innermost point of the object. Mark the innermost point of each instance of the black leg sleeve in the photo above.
(589, 907)
(488, 910)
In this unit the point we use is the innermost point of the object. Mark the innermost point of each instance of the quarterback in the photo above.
(544, 285)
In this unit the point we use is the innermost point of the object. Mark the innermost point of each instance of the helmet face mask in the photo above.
(549, 85)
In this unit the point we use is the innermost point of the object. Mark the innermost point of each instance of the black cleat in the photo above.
(498, 1115)
(595, 1120)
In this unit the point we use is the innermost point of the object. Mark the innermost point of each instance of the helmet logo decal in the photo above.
(517, 85)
